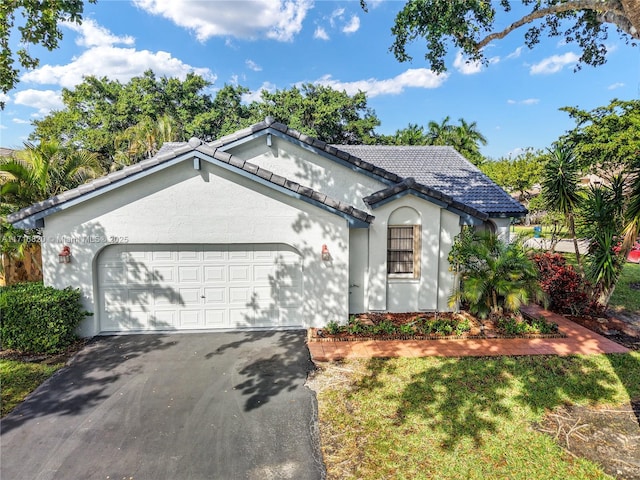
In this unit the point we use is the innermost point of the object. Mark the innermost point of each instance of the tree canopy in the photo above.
(517, 174)
(125, 122)
(470, 25)
(40, 27)
(607, 137)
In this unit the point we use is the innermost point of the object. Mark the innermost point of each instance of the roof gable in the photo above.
(195, 149)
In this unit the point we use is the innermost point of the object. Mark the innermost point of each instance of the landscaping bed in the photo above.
(433, 326)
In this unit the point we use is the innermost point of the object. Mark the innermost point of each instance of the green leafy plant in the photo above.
(39, 319)
(406, 329)
(355, 326)
(333, 327)
(386, 327)
(495, 276)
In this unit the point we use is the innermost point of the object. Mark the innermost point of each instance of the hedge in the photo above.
(39, 319)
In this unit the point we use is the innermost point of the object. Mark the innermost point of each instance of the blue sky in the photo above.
(270, 44)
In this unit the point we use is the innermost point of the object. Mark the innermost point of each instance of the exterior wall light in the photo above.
(326, 256)
(65, 255)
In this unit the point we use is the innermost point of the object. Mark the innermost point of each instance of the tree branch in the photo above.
(606, 10)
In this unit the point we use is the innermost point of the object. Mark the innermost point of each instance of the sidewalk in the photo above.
(579, 341)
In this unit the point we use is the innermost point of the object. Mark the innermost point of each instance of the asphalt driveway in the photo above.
(179, 407)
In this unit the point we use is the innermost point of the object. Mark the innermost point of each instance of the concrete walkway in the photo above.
(579, 341)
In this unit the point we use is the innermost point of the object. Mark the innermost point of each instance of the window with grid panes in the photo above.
(403, 251)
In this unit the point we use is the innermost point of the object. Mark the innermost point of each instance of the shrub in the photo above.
(513, 326)
(333, 328)
(39, 319)
(566, 290)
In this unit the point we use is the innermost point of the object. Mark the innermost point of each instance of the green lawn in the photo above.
(471, 418)
(18, 379)
(625, 297)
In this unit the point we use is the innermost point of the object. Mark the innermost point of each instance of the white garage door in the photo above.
(182, 287)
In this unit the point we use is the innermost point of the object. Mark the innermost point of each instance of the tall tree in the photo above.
(517, 175)
(40, 27)
(320, 111)
(560, 189)
(98, 110)
(465, 138)
(470, 25)
(606, 138)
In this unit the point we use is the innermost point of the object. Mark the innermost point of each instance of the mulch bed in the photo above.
(486, 329)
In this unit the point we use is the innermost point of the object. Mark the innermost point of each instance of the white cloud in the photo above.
(3, 127)
(465, 66)
(255, 96)
(42, 100)
(20, 121)
(94, 35)
(321, 34)
(337, 14)
(553, 64)
(613, 86)
(115, 63)
(280, 20)
(353, 25)
(526, 101)
(412, 78)
(515, 54)
(4, 98)
(253, 66)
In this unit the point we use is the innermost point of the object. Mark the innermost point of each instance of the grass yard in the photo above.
(18, 379)
(452, 418)
(624, 296)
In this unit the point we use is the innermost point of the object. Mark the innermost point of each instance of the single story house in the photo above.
(266, 227)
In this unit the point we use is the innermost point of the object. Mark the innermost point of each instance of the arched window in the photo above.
(403, 243)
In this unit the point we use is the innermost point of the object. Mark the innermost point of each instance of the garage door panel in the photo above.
(215, 254)
(239, 273)
(239, 252)
(263, 273)
(163, 319)
(215, 274)
(190, 318)
(240, 295)
(156, 287)
(189, 274)
(163, 296)
(163, 274)
(215, 295)
(240, 318)
(215, 318)
(112, 274)
(189, 296)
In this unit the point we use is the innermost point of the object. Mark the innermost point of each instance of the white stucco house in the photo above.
(266, 227)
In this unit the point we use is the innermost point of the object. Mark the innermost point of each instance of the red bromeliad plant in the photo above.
(567, 291)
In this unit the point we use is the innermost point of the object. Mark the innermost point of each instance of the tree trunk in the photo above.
(572, 232)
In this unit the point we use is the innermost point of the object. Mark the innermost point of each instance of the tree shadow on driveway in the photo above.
(73, 391)
(267, 368)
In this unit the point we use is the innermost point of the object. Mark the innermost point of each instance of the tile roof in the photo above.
(442, 169)
(410, 184)
(435, 170)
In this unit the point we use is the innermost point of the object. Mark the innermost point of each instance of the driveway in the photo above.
(179, 407)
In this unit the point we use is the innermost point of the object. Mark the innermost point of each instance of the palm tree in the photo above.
(467, 139)
(41, 171)
(143, 140)
(560, 189)
(632, 214)
(495, 276)
(602, 218)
